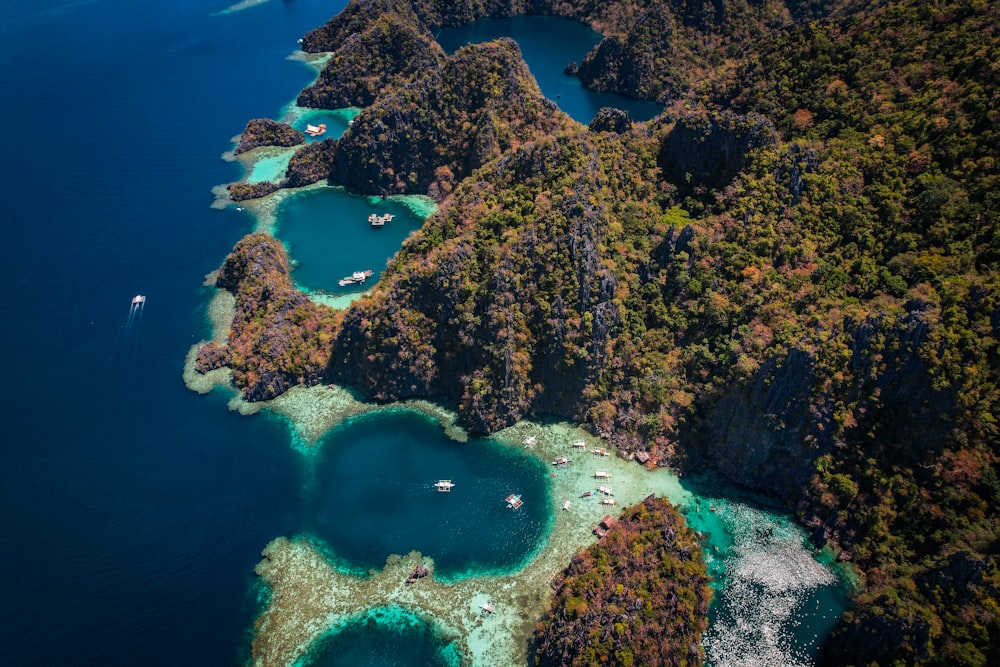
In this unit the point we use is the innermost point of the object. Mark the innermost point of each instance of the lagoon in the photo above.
(373, 495)
(328, 236)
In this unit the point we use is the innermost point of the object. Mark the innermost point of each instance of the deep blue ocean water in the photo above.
(133, 510)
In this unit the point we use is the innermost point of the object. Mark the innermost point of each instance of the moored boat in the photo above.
(356, 278)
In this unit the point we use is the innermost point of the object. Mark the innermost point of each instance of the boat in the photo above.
(316, 130)
(380, 220)
(445, 485)
(586, 494)
(600, 452)
(356, 278)
(561, 461)
(609, 501)
(579, 444)
(565, 505)
(513, 501)
(529, 441)
(606, 490)
(138, 300)
(602, 474)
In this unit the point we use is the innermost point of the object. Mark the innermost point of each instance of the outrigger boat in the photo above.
(356, 278)
(513, 501)
(561, 461)
(445, 485)
(380, 220)
(316, 130)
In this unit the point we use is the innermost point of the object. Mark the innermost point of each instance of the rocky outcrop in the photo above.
(242, 191)
(278, 337)
(704, 152)
(767, 432)
(212, 356)
(386, 53)
(310, 164)
(356, 17)
(637, 62)
(640, 595)
(509, 331)
(609, 119)
(266, 132)
(481, 102)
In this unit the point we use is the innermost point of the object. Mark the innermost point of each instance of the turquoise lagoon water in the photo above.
(385, 637)
(336, 121)
(548, 44)
(328, 236)
(374, 496)
(775, 600)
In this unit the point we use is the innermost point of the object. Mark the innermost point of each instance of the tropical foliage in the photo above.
(638, 597)
(792, 275)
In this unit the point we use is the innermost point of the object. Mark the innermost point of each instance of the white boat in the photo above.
(565, 505)
(380, 220)
(530, 441)
(513, 501)
(606, 490)
(602, 474)
(561, 461)
(609, 501)
(579, 444)
(138, 300)
(445, 485)
(316, 130)
(356, 278)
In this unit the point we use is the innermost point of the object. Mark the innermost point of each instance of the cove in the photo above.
(775, 599)
(548, 44)
(373, 496)
(384, 637)
(328, 237)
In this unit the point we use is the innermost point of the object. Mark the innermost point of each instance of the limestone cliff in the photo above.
(278, 337)
(445, 123)
(266, 132)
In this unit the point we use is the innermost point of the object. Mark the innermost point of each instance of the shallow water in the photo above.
(774, 601)
(548, 44)
(328, 237)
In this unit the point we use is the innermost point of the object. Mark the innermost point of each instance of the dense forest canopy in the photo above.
(792, 275)
(638, 597)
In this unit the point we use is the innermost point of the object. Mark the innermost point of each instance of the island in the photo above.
(791, 276)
